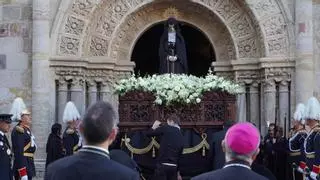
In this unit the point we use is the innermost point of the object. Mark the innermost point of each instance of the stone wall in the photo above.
(316, 45)
(15, 52)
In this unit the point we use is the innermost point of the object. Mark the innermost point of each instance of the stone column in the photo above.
(284, 105)
(269, 101)
(78, 94)
(62, 99)
(254, 104)
(304, 81)
(92, 93)
(241, 105)
(43, 85)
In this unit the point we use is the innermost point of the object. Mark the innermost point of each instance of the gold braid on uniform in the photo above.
(154, 144)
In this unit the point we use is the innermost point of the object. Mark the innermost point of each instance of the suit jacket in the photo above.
(218, 154)
(123, 158)
(89, 163)
(232, 172)
(171, 144)
(23, 150)
(5, 158)
(54, 148)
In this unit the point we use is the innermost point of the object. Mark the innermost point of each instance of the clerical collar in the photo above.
(96, 150)
(237, 163)
(1, 133)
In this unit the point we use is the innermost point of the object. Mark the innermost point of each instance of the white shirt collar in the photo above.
(1, 133)
(96, 147)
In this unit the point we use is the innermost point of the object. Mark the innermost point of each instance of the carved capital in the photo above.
(269, 85)
(77, 83)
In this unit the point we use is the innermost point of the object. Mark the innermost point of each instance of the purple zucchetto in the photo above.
(243, 138)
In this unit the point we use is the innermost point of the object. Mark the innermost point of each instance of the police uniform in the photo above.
(71, 141)
(312, 148)
(5, 152)
(296, 149)
(24, 148)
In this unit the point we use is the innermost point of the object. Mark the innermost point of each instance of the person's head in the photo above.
(173, 119)
(241, 142)
(299, 116)
(5, 122)
(26, 118)
(99, 125)
(312, 112)
(56, 129)
(71, 115)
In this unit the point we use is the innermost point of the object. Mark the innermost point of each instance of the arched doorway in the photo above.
(200, 52)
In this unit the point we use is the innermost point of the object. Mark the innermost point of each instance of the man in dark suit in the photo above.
(92, 161)
(5, 150)
(54, 146)
(241, 146)
(171, 147)
(218, 154)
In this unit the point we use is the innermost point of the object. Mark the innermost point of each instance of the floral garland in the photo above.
(177, 88)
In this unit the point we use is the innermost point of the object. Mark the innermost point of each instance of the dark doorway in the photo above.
(200, 52)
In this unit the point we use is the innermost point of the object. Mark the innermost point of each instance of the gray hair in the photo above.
(231, 155)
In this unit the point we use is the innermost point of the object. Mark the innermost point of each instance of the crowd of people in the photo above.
(82, 150)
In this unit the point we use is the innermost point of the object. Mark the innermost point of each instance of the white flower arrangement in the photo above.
(177, 88)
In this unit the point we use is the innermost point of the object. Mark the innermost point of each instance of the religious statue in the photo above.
(172, 49)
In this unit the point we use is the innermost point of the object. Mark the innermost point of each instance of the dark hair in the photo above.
(56, 128)
(175, 118)
(98, 123)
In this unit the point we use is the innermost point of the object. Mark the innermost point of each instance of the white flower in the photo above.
(188, 101)
(198, 100)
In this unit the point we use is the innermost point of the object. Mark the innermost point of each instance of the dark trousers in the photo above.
(164, 172)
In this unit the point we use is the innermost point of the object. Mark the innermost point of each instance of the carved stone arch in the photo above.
(219, 37)
(266, 18)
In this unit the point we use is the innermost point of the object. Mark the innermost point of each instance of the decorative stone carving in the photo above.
(240, 26)
(264, 8)
(69, 46)
(274, 25)
(242, 76)
(105, 26)
(98, 46)
(278, 46)
(248, 48)
(228, 8)
(120, 9)
(83, 7)
(74, 26)
(210, 3)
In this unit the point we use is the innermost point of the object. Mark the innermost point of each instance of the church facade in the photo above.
(53, 51)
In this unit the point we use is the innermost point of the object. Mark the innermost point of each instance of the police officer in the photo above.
(312, 142)
(23, 142)
(296, 141)
(71, 138)
(5, 150)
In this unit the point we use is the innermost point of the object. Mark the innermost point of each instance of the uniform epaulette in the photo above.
(69, 131)
(19, 129)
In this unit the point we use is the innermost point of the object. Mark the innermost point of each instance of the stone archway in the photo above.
(251, 39)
